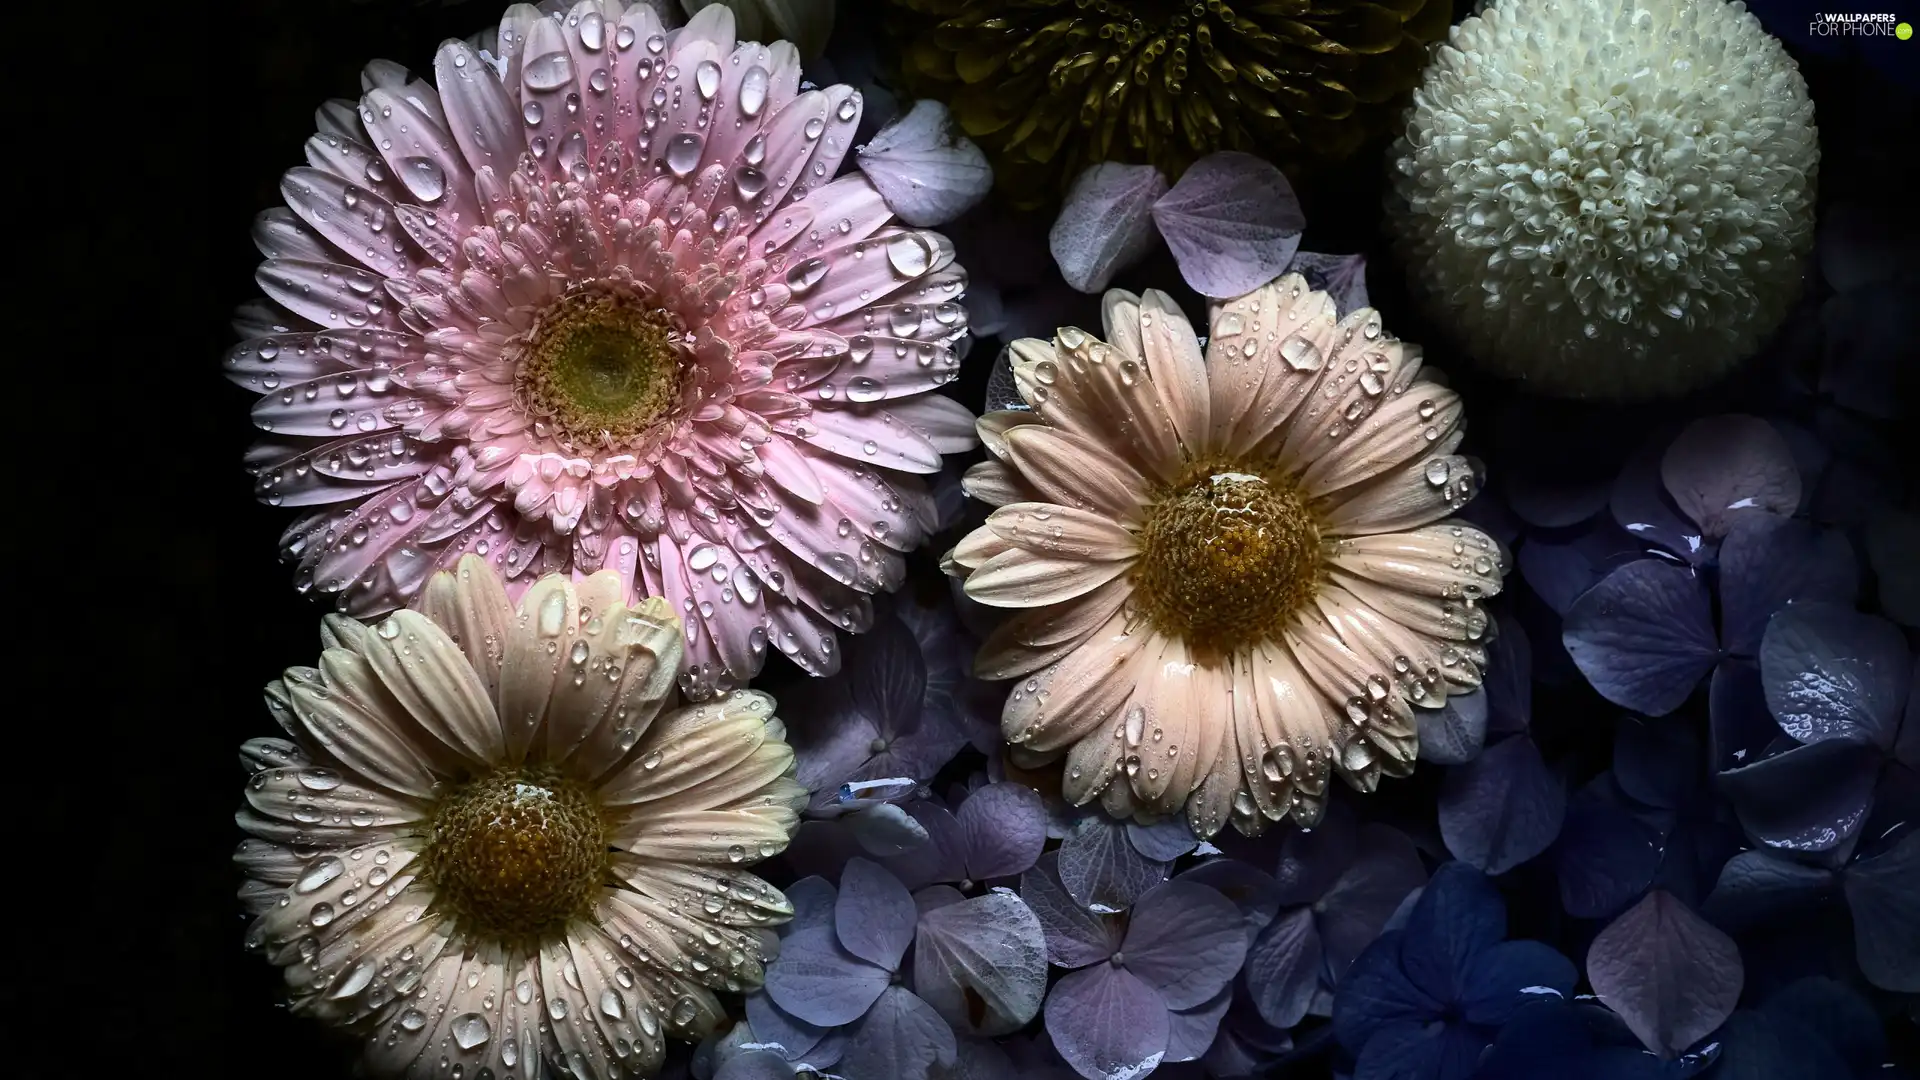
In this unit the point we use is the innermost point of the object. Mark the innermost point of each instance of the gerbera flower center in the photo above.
(601, 367)
(1226, 554)
(515, 854)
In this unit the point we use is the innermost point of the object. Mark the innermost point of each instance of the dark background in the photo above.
(185, 607)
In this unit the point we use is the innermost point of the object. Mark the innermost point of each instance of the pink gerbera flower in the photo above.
(595, 303)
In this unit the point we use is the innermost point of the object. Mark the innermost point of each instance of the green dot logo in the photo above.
(1903, 31)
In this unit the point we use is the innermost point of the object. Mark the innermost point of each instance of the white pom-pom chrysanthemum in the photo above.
(1608, 200)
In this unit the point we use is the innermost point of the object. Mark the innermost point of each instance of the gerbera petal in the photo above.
(1048, 528)
(1073, 471)
(1422, 491)
(1406, 427)
(430, 677)
(461, 1024)
(1040, 636)
(616, 676)
(1254, 391)
(685, 749)
(471, 605)
(997, 484)
(706, 837)
(1069, 701)
(1175, 366)
(1437, 560)
(480, 114)
(331, 708)
(729, 897)
(1019, 578)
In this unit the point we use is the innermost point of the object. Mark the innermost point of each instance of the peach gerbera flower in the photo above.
(1235, 575)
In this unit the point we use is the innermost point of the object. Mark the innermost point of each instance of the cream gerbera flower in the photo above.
(1235, 571)
(487, 846)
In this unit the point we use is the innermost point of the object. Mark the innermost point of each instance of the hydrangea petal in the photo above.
(816, 980)
(1343, 277)
(1458, 915)
(1884, 894)
(1670, 974)
(1643, 636)
(874, 915)
(1076, 936)
(1005, 826)
(1106, 223)
(901, 1038)
(1385, 870)
(1185, 941)
(1251, 890)
(1758, 886)
(1722, 467)
(1233, 223)
(1502, 808)
(1510, 975)
(1108, 1024)
(1606, 858)
(1830, 672)
(1101, 869)
(1428, 1051)
(982, 963)
(926, 170)
(1283, 968)
(1764, 564)
(1810, 798)
(1454, 733)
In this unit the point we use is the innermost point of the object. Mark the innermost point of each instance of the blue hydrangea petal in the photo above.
(1644, 636)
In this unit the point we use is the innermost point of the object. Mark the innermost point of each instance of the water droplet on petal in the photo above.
(753, 90)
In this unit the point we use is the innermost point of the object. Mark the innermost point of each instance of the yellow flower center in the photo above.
(515, 854)
(601, 368)
(1226, 555)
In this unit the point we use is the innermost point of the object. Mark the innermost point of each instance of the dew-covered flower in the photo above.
(1232, 575)
(595, 303)
(1142, 987)
(1423, 1002)
(1608, 200)
(978, 967)
(488, 842)
(1049, 87)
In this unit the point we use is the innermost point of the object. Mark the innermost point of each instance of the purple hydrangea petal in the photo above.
(1671, 975)
(1344, 277)
(874, 914)
(771, 1024)
(1283, 968)
(1830, 672)
(816, 980)
(1810, 798)
(1758, 1047)
(1377, 994)
(1720, 468)
(1429, 1052)
(755, 1065)
(884, 830)
(1454, 733)
(935, 897)
(902, 1038)
(1386, 867)
(1740, 730)
(1459, 915)
(1644, 636)
(1606, 857)
(1252, 890)
(1640, 505)
(1502, 808)
(1164, 840)
(1512, 974)
(1759, 886)
(1076, 936)
(982, 963)
(942, 858)
(1186, 941)
(1838, 1015)
(980, 1059)
(1107, 1023)
(886, 676)
(1246, 1046)
(1102, 869)
(1765, 563)
(822, 849)
(1191, 1032)
(1232, 222)
(1884, 895)
(1559, 568)
(1004, 826)
(812, 899)
(831, 739)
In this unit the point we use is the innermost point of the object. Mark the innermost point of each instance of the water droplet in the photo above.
(1299, 353)
(318, 873)
(753, 90)
(470, 1030)
(549, 72)
(531, 112)
(413, 1019)
(593, 31)
(706, 78)
(749, 181)
(424, 179)
(814, 127)
(910, 255)
(1437, 471)
(610, 1004)
(806, 275)
(683, 153)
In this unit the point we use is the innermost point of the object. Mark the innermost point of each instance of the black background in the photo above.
(183, 612)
